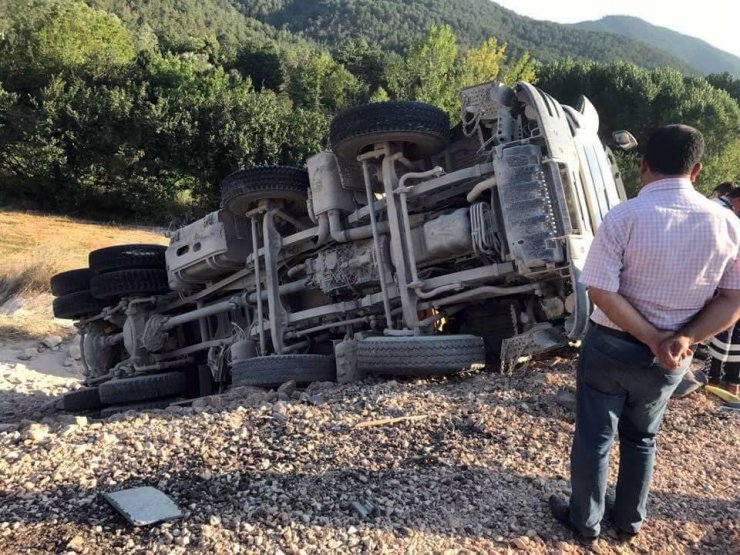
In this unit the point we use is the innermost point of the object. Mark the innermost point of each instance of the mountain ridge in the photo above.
(473, 21)
(696, 52)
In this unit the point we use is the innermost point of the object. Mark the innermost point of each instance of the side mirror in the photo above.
(624, 140)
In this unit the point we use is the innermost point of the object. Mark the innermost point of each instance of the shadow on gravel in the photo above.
(32, 405)
(459, 502)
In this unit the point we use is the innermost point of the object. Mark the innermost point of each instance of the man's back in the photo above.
(672, 245)
(664, 271)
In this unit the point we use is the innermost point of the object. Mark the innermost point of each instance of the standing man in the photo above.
(733, 198)
(723, 367)
(720, 192)
(652, 272)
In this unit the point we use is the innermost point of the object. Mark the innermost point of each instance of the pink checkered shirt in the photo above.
(666, 251)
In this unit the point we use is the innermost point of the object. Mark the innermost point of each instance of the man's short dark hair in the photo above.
(724, 188)
(735, 193)
(674, 149)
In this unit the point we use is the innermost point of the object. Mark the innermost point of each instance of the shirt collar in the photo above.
(667, 184)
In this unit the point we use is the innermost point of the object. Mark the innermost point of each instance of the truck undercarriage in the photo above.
(408, 249)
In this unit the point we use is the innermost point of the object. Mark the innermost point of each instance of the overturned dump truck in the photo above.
(410, 249)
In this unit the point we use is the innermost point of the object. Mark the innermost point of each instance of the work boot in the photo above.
(609, 502)
(561, 511)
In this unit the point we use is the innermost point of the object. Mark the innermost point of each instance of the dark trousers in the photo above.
(620, 389)
(724, 350)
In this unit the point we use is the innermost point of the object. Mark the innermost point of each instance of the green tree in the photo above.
(721, 166)
(30, 154)
(262, 64)
(364, 60)
(482, 64)
(429, 73)
(726, 82)
(523, 68)
(316, 82)
(62, 35)
(628, 97)
(490, 62)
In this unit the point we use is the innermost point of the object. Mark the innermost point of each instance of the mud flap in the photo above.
(540, 339)
(577, 323)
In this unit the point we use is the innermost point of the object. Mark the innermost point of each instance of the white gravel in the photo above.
(255, 474)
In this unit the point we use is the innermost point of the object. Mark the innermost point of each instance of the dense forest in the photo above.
(393, 23)
(119, 110)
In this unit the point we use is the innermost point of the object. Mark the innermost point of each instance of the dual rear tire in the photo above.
(73, 297)
(126, 270)
(114, 272)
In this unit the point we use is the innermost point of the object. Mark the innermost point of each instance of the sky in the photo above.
(715, 21)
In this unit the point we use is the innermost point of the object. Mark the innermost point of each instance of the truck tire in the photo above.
(423, 127)
(142, 388)
(271, 371)
(241, 191)
(113, 285)
(74, 306)
(436, 355)
(127, 257)
(147, 405)
(70, 282)
(80, 400)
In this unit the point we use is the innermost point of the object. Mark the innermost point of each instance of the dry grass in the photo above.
(34, 247)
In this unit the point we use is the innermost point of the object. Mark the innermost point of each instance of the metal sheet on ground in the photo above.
(144, 505)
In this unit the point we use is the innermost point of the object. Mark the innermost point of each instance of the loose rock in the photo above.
(51, 341)
(28, 354)
(36, 432)
(287, 389)
(76, 544)
(75, 352)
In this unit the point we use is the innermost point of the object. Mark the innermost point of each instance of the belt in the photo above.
(617, 333)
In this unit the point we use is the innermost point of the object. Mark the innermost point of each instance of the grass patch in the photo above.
(34, 247)
(26, 274)
(31, 326)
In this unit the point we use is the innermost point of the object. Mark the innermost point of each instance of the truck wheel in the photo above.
(118, 284)
(70, 282)
(80, 400)
(424, 128)
(271, 371)
(127, 257)
(142, 388)
(148, 405)
(242, 190)
(74, 306)
(436, 355)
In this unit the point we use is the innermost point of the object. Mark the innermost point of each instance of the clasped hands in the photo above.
(671, 348)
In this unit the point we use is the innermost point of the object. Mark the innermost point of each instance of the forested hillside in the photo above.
(394, 23)
(697, 53)
(136, 111)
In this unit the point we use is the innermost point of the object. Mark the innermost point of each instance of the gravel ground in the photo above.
(255, 474)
